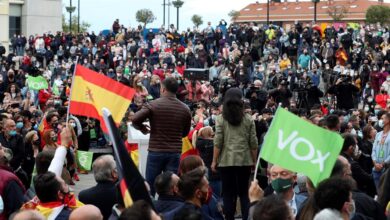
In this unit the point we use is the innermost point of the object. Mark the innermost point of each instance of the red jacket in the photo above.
(6, 177)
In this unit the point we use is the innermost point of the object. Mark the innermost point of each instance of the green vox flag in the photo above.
(300, 146)
(84, 159)
(55, 89)
(37, 83)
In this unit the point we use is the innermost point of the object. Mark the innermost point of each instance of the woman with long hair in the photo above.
(235, 152)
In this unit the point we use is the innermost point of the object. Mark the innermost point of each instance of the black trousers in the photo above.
(235, 183)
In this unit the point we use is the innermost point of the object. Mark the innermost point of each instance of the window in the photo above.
(259, 9)
(14, 25)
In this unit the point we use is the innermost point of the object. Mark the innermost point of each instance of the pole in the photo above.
(70, 17)
(315, 11)
(267, 12)
(177, 19)
(164, 13)
(169, 13)
(78, 16)
(70, 93)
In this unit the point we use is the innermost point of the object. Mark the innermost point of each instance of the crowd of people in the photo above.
(336, 79)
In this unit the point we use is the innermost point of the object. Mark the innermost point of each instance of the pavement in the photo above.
(86, 181)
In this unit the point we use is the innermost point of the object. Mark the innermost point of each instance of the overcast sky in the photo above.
(101, 13)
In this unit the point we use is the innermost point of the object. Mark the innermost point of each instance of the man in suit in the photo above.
(103, 195)
(282, 181)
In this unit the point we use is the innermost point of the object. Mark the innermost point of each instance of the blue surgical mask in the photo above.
(19, 125)
(36, 127)
(12, 133)
(376, 111)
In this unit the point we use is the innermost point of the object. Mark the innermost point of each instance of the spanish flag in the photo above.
(132, 184)
(92, 91)
(132, 149)
(187, 149)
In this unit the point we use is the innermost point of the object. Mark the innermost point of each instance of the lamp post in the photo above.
(169, 13)
(78, 16)
(70, 9)
(164, 13)
(177, 4)
(267, 12)
(315, 10)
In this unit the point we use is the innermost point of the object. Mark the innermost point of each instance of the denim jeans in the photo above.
(377, 176)
(159, 162)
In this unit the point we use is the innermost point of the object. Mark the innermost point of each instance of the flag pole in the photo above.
(257, 167)
(70, 93)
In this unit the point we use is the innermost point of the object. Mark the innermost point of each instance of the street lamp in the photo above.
(267, 12)
(78, 16)
(315, 10)
(70, 9)
(177, 4)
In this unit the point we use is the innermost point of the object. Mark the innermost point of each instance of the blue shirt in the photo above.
(381, 151)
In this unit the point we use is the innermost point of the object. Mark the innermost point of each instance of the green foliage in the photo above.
(378, 13)
(337, 12)
(145, 16)
(177, 3)
(197, 20)
(234, 15)
(65, 25)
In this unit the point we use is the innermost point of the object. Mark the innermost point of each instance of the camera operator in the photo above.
(344, 90)
(282, 94)
(364, 72)
(257, 96)
(313, 94)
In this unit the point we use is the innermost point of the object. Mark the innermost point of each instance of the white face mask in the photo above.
(73, 124)
(352, 209)
(380, 123)
(1, 205)
(353, 131)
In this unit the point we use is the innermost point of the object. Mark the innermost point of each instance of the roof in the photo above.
(304, 11)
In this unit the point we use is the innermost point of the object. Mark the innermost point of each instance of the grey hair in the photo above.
(103, 167)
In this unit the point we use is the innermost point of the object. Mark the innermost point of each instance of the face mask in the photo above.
(139, 84)
(353, 131)
(54, 139)
(158, 81)
(213, 117)
(36, 127)
(380, 123)
(352, 209)
(12, 133)
(73, 124)
(356, 151)
(179, 81)
(206, 197)
(281, 185)
(37, 143)
(366, 109)
(19, 125)
(388, 79)
(367, 86)
(1, 205)
(369, 99)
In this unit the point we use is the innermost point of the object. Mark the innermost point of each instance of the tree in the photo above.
(177, 4)
(145, 16)
(337, 12)
(83, 25)
(234, 15)
(378, 13)
(197, 20)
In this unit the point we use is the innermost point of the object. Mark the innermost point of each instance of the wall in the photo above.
(4, 23)
(40, 16)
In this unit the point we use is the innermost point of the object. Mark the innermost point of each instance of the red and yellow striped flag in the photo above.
(92, 91)
(132, 148)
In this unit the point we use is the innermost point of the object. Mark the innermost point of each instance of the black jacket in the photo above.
(364, 180)
(16, 144)
(103, 196)
(167, 203)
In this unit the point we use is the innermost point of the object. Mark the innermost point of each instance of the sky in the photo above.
(101, 13)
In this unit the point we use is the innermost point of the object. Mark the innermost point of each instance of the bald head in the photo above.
(28, 214)
(104, 169)
(87, 212)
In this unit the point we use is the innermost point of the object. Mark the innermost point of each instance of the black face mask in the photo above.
(36, 143)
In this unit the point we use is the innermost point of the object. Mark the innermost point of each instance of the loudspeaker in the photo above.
(196, 74)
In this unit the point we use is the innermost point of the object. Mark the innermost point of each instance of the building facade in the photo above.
(285, 13)
(29, 17)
